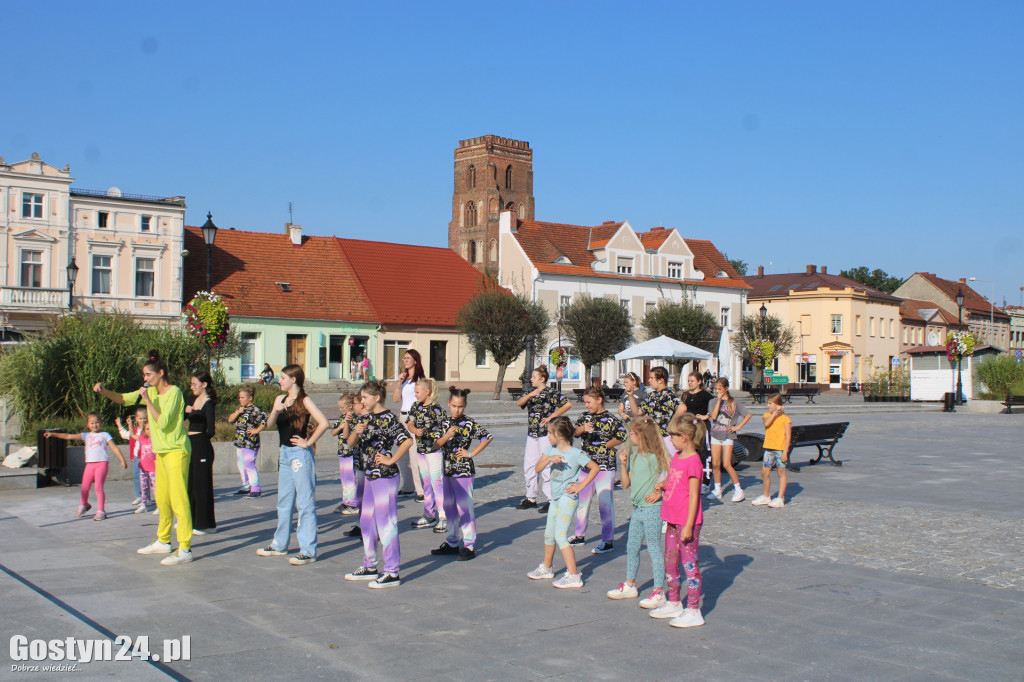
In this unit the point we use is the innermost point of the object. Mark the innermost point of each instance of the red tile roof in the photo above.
(655, 237)
(779, 285)
(245, 267)
(973, 301)
(710, 260)
(412, 285)
(916, 310)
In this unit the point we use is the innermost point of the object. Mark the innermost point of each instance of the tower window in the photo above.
(472, 252)
(472, 177)
(470, 214)
(494, 249)
(522, 212)
(508, 177)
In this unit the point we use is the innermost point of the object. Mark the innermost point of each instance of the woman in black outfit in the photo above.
(201, 426)
(696, 401)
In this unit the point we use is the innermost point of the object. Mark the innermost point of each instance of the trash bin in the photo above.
(949, 402)
(52, 455)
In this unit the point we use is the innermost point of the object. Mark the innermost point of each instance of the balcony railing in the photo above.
(173, 201)
(45, 300)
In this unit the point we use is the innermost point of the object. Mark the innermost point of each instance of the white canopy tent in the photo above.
(725, 353)
(664, 348)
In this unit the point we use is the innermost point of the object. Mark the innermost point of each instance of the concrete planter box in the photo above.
(984, 407)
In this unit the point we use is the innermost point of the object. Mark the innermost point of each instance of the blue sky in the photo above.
(887, 134)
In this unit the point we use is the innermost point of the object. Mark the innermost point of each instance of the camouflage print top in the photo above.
(606, 427)
(428, 418)
(466, 429)
(383, 433)
(540, 407)
(660, 406)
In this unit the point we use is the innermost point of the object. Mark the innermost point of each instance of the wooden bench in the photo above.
(515, 393)
(759, 394)
(805, 391)
(1012, 400)
(579, 394)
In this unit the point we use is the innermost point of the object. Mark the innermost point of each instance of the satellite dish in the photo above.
(114, 192)
(933, 338)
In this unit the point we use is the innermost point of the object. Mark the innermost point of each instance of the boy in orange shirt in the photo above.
(778, 434)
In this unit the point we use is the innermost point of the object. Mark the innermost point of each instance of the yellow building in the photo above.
(842, 329)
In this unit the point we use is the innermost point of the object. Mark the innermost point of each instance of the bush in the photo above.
(49, 378)
(1002, 375)
(888, 383)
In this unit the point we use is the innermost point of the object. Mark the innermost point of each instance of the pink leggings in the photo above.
(94, 472)
(678, 552)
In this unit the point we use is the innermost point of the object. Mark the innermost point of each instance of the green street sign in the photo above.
(769, 372)
(777, 381)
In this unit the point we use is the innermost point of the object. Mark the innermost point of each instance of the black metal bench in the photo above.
(579, 394)
(805, 391)
(1011, 401)
(515, 393)
(614, 393)
(822, 436)
(759, 394)
(753, 446)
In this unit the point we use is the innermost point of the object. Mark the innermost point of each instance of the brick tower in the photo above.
(492, 174)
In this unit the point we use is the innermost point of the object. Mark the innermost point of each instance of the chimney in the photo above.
(963, 280)
(294, 233)
(760, 271)
(824, 269)
(811, 269)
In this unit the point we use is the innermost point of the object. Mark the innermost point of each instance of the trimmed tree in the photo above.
(876, 279)
(597, 328)
(754, 330)
(683, 322)
(500, 323)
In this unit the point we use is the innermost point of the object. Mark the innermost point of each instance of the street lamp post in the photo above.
(764, 333)
(72, 276)
(959, 360)
(209, 234)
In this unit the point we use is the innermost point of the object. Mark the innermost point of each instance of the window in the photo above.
(102, 219)
(649, 307)
(564, 301)
(249, 355)
(494, 249)
(508, 177)
(472, 252)
(871, 326)
(675, 270)
(837, 324)
(470, 214)
(145, 276)
(904, 335)
(146, 224)
(31, 205)
(32, 269)
(522, 212)
(857, 322)
(481, 357)
(624, 302)
(393, 352)
(101, 274)
(472, 177)
(892, 328)
(625, 266)
(725, 317)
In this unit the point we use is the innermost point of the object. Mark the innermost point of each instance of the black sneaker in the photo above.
(526, 504)
(445, 548)
(543, 509)
(353, 532)
(362, 573)
(577, 540)
(419, 498)
(465, 554)
(242, 491)
(602, 548)
(254, 494)
(386, 580)
(405, 493)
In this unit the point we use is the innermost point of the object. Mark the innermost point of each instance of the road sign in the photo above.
(895, 362)
(1018, 353)
(559, 373)
(776, 380)
(769, 372)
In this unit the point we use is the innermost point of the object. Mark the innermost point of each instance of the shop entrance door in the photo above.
(297, 350)
(335, 357)
(835, 370)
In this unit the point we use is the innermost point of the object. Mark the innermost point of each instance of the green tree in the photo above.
(597, 328)
(876, 279)
(740, 266)
(683, 322)
(771, 328)
(500, 323)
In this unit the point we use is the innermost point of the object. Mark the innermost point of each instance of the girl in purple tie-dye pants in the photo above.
(378, 433)
(425, 419)
(459, 470)
(348, 473)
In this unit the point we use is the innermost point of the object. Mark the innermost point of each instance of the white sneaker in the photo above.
(690, 618)
(623, 591)
(542, 572)
(182, 557)
(141, 509)
(136, 501)
(704, 488)
(715, 494)
(777, 503)
(155, 548)
(156, 512)
(568, 580)
(761, 500)
(737, 495)
(655, 600)
(672, 609)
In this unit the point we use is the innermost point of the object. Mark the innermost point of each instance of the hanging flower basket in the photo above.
(959, 345)
(559, 357)
(761, 353)
(206, 316)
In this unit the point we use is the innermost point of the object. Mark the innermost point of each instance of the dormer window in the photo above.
(624, 266)
(721, 273)
(562, 260)
(675, 270)
(285, 286)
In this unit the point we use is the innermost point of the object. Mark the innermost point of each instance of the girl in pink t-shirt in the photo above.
(147, 470)
(97, 443)
(681, 510)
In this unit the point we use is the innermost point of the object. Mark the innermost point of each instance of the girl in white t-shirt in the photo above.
(97, 443)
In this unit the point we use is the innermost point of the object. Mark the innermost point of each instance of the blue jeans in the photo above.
(136, 480)
(296, 484)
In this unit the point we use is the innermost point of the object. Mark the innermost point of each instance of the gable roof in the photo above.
(780, 285)
(544, 242)
(916, 310)
(412, 285)
(973, 301)
(655, 237)
(246, 266)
